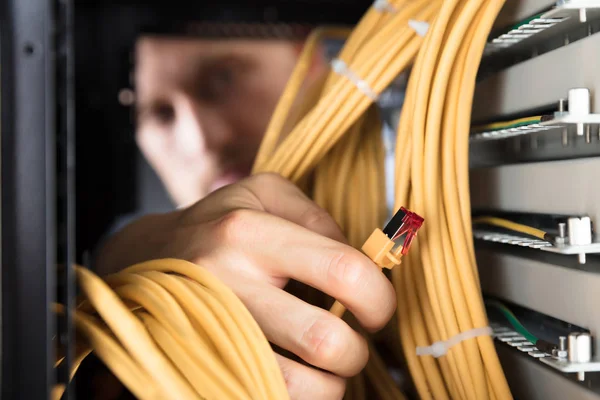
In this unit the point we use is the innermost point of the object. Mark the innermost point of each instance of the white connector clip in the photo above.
(439, 349)
(420, 27)
(341, 68)
(580, 231)
(384, 6)
(579, 105)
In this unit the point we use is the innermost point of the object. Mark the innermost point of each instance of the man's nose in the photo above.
(201, 129)
(188, 132)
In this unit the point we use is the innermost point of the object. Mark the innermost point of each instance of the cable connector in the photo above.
(381, 246)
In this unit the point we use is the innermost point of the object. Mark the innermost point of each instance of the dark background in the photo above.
(111, 177)
(69, 164)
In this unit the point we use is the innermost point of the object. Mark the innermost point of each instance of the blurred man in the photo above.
(204, 105)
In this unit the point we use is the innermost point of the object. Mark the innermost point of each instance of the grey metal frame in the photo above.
(541, 81)
(515, 11)
(531, 380)
(28, 198)
(556, 287)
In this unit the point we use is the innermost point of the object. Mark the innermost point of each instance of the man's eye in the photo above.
(163, 113)
(218, 84)
(223, 76)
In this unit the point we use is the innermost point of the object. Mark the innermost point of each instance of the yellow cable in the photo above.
(513, 226)
(292, 89)
(204, 319)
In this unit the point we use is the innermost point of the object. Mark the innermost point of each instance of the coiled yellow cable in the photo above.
(169, 329)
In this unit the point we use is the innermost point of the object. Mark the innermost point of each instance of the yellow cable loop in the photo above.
(154, 345)
(169, 329)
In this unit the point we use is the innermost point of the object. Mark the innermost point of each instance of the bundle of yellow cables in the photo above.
(338, 142)
(170, 330)
(331, 147)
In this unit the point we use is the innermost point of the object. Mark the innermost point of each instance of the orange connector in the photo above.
(381, 246)
(381, 250)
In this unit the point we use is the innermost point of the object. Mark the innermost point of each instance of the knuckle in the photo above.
(315, 217)
(234, 226)
(268, 178)
(295, 383)
(348, 271)
(288, 375)
(323, 342)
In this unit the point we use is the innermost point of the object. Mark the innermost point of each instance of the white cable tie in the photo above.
(384, 6)
(340, 68)
(421, 27)
(439, 349)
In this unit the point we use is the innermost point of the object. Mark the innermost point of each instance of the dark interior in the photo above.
(107, 159)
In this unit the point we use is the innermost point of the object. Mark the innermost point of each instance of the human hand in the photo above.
(255, 236)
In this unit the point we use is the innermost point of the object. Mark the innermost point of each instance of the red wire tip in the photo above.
(404, 222)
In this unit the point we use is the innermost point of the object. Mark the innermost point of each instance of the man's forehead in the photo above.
(163, 62)
(180, 56)
(159, 47)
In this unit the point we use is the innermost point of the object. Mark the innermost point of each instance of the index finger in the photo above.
(282, 249)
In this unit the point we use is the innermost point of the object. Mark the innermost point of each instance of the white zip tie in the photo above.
(439, 349)
(421, 27)
(384, 6)
(339, 67)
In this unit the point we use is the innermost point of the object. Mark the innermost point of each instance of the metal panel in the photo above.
(552, 285)
(551, 145)
(565, 293)
(65, 188)
(541, 81)
(28, 206)
(530, 380)
(518, 10)
(561, 187)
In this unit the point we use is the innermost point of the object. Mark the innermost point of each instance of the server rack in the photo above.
(51, 51)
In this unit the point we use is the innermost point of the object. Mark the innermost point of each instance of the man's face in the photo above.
(203, 107)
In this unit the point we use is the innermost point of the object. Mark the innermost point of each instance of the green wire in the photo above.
(499, 126)
(525, 21)
(514, 321)
(517, 125)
